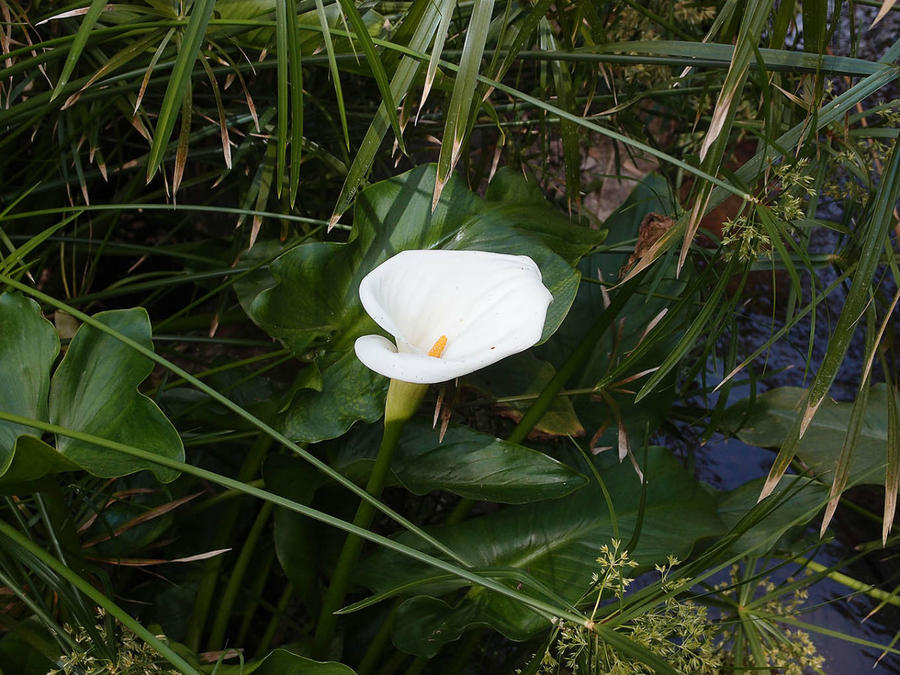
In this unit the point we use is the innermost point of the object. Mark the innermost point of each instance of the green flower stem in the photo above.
(460, 511)
(255, 592)
(112, 608)
(464, 650)
(236, 580)
(416, 666)
(210, 576)
(543, 402)
(392, 664)
(376, 647)
(263, 647)
(402, 400)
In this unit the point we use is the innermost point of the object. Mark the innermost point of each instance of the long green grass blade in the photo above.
(161, 47)
(568, 131)
(220, 109)
(513, 573)
(184, 137)
(831, 112)
(523, 35)
(284, 9)
(713, 54)
(778, 237)
(784, 18)
(296, 99)
(335, 71)
(361, 33)
(427, 15)
(887, 75)
(78, 44)
(784, 330)
(150, 206)
(18, 254)
(446, 14)
(711, 306)
(815, 25)
(854, 428)
(719, 556)
(747, 174)
(892, 469)
(192, 40)
(822, 630)
(262, 184)
(114, 62)
(877, 224)
(751, 633)
(718, 134)
(463, 89)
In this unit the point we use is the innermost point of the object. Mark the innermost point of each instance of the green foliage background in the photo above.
(190, 194)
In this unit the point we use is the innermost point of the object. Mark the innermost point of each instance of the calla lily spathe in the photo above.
(468, 309)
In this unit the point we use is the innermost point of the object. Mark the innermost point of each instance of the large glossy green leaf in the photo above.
(769, 419)
(314, 286)
(799, 500)
(95, 390)
(283, 662)
(424, 624)
(524, 375)
(555, 542)
(308, 298)
(349, 392)
(623, 226)
(467, 462)
(523, 203)
(311, 294)
(650, 196)
(28, 348)
(33, 459)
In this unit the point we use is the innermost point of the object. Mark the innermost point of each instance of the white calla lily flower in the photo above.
(450, 312)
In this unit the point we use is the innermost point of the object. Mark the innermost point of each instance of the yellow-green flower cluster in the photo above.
(132, 656)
